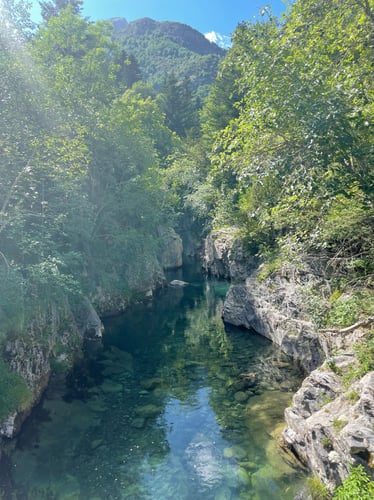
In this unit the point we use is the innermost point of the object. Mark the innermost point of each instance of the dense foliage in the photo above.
(54, 7)
(80, 201)
(356, 485)
(290, 125)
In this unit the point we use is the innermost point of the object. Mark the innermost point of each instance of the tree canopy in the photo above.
(80, 147)
(54, 7)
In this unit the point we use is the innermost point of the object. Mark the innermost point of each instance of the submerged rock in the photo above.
(235, 451)
(179, 283)
(96, 444)
(138, 423)
(248, 380)
(150, 384)
(243, 476)
(148, 411)
(251, 466)
(117, 361)
(97, 404)
(109, 386)
(241, 396)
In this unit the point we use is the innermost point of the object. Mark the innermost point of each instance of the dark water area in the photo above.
(173, 405)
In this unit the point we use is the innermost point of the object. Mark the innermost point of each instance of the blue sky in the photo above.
(221, 16)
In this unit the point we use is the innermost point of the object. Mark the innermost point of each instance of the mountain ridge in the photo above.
(181, 33)
(165, 47)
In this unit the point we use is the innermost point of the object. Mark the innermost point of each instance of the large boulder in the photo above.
(171, 252)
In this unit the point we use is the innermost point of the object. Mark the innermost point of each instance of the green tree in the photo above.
(220, 105)
(178, 102)
(15, 20)
(128, 69)
(303, 126)
(53, 8)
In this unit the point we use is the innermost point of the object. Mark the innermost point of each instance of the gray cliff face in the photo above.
(171, 253)
(273, 309)
(327, 428)
(329, 425)
(32, 363)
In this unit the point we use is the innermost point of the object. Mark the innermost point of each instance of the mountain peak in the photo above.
(165, 47)
(179, 33)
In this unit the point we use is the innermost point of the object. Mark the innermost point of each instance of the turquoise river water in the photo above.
(172, 405)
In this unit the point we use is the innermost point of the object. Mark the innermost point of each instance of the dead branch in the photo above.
(348, 329)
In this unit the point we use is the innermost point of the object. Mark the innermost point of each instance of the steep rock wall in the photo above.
(171, 252)
(275, 308)
(330, 425)
(224, 256)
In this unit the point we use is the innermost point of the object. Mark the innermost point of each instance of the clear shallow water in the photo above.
(172, 406)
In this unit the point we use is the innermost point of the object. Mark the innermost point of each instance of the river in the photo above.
(172, 405)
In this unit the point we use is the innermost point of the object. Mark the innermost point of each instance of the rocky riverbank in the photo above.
(55, 337)
(54, 340)
(330, 423)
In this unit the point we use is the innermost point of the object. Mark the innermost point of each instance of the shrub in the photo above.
(357, 485)
(365, 354)
(353, 396)
(346, 310)
(326, 442)
(338, 424)
(365, 360)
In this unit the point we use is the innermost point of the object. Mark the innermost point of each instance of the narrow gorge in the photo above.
(186, 254)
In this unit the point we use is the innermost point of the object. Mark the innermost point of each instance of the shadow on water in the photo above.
(173, 406)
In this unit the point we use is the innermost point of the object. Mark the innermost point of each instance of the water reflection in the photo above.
(174, 406)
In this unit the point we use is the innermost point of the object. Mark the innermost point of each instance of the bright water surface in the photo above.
(172, 406)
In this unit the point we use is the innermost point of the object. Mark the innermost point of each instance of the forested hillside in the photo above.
(94, 162)
(168, 47)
